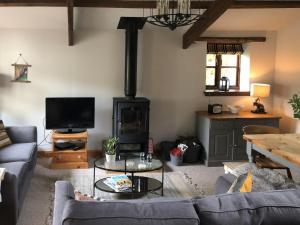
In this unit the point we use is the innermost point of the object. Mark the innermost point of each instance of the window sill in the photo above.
(226, 93)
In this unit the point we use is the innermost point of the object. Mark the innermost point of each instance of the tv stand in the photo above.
(70, 131)
(69, 158)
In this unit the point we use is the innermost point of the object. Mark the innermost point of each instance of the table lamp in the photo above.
(259, 91)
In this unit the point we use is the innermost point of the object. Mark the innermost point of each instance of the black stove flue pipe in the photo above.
(131, 26)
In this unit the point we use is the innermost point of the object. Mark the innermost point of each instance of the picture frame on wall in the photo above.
(21, 71)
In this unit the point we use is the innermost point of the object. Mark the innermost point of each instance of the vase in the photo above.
(110, 158)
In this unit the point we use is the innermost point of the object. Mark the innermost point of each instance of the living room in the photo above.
(84, 57)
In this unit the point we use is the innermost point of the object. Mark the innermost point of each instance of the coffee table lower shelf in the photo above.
(140, 185)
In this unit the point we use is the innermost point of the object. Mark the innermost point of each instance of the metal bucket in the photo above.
(175, 160)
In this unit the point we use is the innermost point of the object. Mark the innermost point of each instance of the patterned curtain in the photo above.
(224, 48)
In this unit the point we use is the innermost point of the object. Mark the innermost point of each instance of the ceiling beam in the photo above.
(135, 4)
(70, 7)
(50, 3)
(209, 17)
(265, 4)
(231, 40)
(205, 4)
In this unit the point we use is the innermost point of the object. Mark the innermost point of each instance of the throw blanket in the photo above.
(265, 179)
(2, 173)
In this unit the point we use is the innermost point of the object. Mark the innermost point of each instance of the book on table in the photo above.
(119, 183)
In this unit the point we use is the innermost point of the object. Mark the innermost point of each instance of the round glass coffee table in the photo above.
(131, 165)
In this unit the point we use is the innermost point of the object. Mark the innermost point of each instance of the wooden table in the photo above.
(281, 148)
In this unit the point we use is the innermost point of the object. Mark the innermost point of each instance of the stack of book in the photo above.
(119, 183)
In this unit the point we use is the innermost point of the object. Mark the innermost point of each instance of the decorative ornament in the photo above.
(21, 70)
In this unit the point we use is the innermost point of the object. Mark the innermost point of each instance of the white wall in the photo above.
(92, 68)
(287, 77)
(172, 78)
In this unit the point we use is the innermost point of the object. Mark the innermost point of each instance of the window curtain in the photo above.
(224, 48)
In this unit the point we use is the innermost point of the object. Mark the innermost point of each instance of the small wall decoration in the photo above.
(21, 70)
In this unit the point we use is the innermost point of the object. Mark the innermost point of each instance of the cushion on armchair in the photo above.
(4, 138)
(18, 152)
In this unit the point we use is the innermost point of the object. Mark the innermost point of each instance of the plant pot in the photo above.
(110, 158)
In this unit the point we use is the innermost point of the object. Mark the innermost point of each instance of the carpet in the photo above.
(38, 204)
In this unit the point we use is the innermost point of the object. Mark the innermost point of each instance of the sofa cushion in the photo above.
(21, 134)
(4, 138)
(18, 152)
(18, 169)
(256, 208)
(128, 213)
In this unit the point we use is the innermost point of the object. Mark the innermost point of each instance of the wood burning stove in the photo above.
(131, 123)
(130, 113)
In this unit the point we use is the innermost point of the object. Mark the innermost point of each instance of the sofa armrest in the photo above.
(223, 183)
(9, 204)
(22, 134)
(63, 192)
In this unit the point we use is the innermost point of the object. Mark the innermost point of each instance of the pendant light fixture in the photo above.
(173, 14)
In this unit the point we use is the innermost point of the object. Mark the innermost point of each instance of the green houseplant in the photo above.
(295, 103)
(110, 148)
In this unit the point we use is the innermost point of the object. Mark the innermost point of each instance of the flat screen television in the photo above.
(70, 115)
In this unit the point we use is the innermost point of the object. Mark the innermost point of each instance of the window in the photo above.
(223, 65)
(223, 60)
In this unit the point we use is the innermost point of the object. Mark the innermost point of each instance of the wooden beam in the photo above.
(135, 4)
(265, 4)
(50, 3)
(231, 40)
(70, 5)
(205, 4)
(100, 3)
(209, 17)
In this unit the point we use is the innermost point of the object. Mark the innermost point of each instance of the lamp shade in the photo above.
(260, 90)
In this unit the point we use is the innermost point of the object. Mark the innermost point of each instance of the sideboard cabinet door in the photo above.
(220, 145)
(239, 146)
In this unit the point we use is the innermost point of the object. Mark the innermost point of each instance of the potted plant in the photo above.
(110, 148)
(295, 103)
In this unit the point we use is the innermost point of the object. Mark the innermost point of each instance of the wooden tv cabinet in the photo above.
(69, 158)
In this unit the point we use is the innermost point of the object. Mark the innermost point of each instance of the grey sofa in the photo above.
(19, 159)
(261, 208)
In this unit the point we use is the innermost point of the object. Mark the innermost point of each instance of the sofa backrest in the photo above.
(22, 134)
(129, 213)
(256, 208)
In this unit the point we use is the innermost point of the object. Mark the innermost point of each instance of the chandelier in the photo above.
(178, 15)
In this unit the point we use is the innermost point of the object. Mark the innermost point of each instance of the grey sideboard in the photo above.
(222, 136)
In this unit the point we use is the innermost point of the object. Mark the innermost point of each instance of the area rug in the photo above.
(38, 204)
